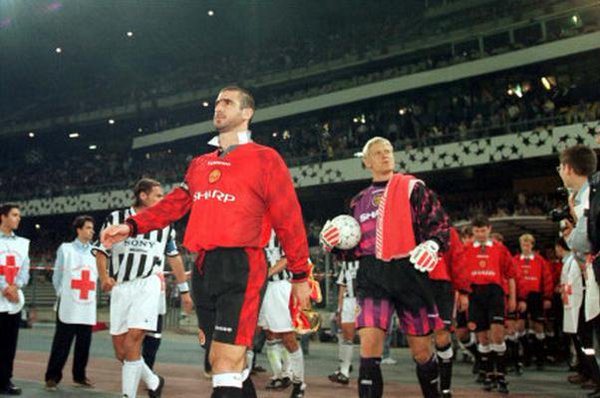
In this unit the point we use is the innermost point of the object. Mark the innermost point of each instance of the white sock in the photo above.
(249, 358)
(297, 365)
(286, 366)
(131, 373)
(149, 377)
(346, 349)
(274, 349)
(234, 380)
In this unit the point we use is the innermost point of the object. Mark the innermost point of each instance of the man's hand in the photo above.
(301, 291)
(201, 337)
(547, 304)
(330, 236)
(186, 303)
(107, 284)
(114, 234)
(11, 293)
(512, 304)
(463, 302)
(425, 256)
(522, 306)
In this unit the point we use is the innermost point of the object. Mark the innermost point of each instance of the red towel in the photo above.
(395, 235)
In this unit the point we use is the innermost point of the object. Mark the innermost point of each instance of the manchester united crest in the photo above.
(377, 199)
(482, 263)
(214, 176)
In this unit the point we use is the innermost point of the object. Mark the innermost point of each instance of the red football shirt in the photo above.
(234, 201)
(535, 275)
(448, 268)
(489, 263)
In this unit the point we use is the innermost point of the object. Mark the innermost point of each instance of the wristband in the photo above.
(183, 287)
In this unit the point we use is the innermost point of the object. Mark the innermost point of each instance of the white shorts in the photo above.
(275, 310)
(134, 305)
(349, 310)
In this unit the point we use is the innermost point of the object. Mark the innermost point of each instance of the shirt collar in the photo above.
(80, 245)
(11, 236)
(488, 243)
(244, 137)
(528, 257)
(583, 190)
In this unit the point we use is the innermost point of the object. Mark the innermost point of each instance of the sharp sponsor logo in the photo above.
(368, 216)
(214, 194)
(225, 329)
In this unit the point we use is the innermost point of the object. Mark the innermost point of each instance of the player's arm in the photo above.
(430, 217)
(278, 267)
(509, 269)
(431, 228)
(286, 218)
(176, 264)
(547, 284)
(170, 209)
(106, 282)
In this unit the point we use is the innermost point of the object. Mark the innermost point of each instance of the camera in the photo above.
(561, 213)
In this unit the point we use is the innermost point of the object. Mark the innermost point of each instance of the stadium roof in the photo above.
(58, 47)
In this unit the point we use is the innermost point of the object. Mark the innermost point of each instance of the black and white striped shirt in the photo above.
(274, 253)
(139, 256)
(347, 277)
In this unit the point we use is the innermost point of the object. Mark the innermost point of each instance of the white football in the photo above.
(349, 231)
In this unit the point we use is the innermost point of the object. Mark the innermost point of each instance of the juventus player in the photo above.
(346, 316)
(129, 271)
(276, 320)
(403, 227)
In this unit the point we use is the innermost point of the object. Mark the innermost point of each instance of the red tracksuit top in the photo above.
(486, 266)
(448, 268)
(235, 200)
(535, 275)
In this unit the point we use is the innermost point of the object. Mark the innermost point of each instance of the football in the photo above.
(349, 231)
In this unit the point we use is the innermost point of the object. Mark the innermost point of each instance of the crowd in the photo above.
(409, 121)
(367, 39)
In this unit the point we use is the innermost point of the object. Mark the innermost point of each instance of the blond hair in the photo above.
(527, 238)
(373, 141)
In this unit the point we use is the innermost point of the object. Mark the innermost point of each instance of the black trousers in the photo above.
(61, 345)
(9, 334)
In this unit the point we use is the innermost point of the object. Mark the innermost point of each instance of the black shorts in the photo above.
(486, 306)
(443, 294)
(385, 287)
(228, 285)
(535, 307)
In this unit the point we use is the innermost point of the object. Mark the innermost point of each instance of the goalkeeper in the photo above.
(403, 229)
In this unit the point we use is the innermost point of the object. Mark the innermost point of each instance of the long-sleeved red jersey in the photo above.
(235, 200)
(535, 275)
(487, 263)
(448, 268)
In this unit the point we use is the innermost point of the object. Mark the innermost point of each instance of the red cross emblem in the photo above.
(568, 290)
(84, 285)
(10, 269)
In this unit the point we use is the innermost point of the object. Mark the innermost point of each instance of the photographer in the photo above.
(577, 163)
